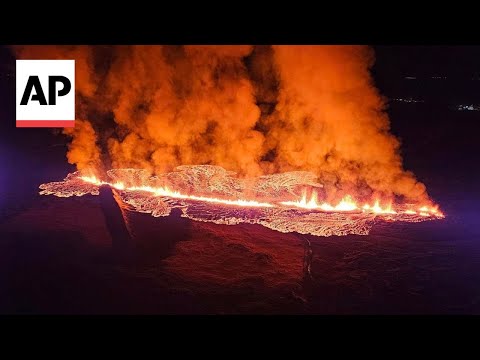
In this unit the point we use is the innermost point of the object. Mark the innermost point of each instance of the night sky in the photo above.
(458, 63)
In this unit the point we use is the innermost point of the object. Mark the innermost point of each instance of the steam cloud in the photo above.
(250, 109)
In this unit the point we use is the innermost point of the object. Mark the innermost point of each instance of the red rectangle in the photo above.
(46, 123)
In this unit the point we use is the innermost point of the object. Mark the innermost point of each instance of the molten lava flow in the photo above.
(209, 193)
(348, 204)
(377, 209)
(175, 194)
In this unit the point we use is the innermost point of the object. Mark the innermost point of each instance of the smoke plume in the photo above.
(250, 109)
(330, 119)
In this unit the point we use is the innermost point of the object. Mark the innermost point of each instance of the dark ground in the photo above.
(56, 255)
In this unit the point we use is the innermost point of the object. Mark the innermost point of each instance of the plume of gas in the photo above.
(331, 119)
(157, 107)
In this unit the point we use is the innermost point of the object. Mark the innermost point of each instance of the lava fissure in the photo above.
(224, 199)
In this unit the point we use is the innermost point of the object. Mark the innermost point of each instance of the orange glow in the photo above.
(377, 209)
(175, 194)
(209, 194)
(427, 211)
(303, 203)
(346, 204)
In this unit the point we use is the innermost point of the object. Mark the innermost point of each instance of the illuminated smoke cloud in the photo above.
(329, 119)
(252, 110)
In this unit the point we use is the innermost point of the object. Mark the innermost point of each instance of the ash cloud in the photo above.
(250, 109)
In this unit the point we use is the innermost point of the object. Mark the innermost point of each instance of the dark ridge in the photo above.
(122, 242)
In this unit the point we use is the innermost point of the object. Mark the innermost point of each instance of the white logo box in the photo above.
(34, 114)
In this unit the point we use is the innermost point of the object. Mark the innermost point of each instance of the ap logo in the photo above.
(45, 92)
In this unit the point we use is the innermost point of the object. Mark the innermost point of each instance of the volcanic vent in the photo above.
(211, 194)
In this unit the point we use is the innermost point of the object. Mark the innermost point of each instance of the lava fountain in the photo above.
(210, 193)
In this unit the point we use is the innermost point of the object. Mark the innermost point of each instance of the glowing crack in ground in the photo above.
(212, 194)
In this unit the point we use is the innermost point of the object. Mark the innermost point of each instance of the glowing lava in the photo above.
(346, 204)
(164, 191)
(377, 209)
(214, 195)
